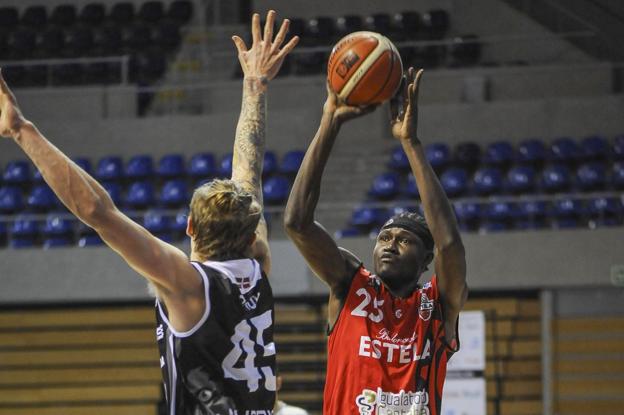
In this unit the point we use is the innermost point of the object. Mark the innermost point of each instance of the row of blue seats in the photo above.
(137, 195)
(143, 167)
(561, 213)
(503, 154)
(523, 179)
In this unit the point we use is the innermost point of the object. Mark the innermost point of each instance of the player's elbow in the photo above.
(294, 222)
(96, 211)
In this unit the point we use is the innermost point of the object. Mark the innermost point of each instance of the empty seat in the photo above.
(225, 166)
(521, 179)
(140, 195)
(63, 15)
(114, 191)
(174, 193)
(41, 199)
(398, 160)
(500, 154)
(151, 11)
(499, 216)
(406, 25)
(531, 214)
(606, 211)
(488, 181)
(92, 14)
(291, 161)
(532, 151)
(107, 40)
(410, 189)
(435, 23)
(556, 179)
(136, 37)
(3, 233)
(109, 168)
(9, 18)
(379, 22)
(568, 212)
(179, 222)
(365, 218)
(51, 242)
(591, 176)
(618, 147)
(140, 167)
(24, 232)
(50, 42)
(202, 166)
(171, 166)
(269, 164)
(35, 16)
(156, 222)
(147, 67)
(385, 186)
(403, 208)
(83, 163)
(57, 225)
(167, 36)
(467, 155)
(320, 30)
(348, 24)
(439, 155)
(90, 240)
(468, 215)
(595, 148)
(565, 150)
(122, 13)
(617, 176)
(21, 43)
(11, 200)
(78, 41)
(465, 51)
(454, 181)
(275, 190)
(180, 11)
(17, 172)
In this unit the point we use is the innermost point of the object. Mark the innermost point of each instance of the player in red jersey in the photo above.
(389, 336)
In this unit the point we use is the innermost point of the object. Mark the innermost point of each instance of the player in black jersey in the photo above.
(214, 312)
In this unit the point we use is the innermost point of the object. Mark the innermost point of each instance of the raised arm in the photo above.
(260, 64)
(163, 264)
(330, 263)
(450, 261)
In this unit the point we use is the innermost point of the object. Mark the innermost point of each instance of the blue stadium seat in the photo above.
(269, 164)
(410, 189)
(568, 213)
(90, 240)
(500, 154)
(157, 222)
(52, 242)
(385, 186)
(3, 226)
(521, 179)
(454, 181)
(500, 211)
(617, 175)
(291, 162)
(591, 176)
(140, 167)
(41, 199)
(605, 211)
(467, 155)
(532, 151)
(618, 147)
(57, 224)
(532, 214)
(565, 150)
(84, 164)
(171, 166)
(178, 224)
(403, 208)
(202, 166)
(19, 242)
(225, 166)
(439, 155)
(140, 195)
(556, 179)
(174, 193)
(24, 232)
(17, 172)
(109, 168)
(366, 218)
(595, 148)
(398, 160)
(11, 200)
(347, 233)
(488, 181)
(114, 191)
(275, 190)
(468, 215)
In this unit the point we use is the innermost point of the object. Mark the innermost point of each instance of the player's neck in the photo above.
(401, 288)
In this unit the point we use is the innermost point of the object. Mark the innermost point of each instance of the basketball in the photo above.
(364, 68)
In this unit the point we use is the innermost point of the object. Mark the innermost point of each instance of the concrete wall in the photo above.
(524, 260)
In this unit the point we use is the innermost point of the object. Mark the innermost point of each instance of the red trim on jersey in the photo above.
(386, 354)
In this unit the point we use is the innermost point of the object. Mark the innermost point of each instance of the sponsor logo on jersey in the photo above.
(426, 307)
(160, 332)
(251, 412)
(379, 402)
(393, 351)
(250, 303)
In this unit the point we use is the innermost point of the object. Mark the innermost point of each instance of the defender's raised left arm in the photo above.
(450, 260)
(260, 64)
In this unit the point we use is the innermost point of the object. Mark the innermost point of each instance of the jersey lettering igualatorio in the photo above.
(225, 365)
(387, 355)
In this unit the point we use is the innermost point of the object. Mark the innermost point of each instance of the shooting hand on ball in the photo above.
(342, 112)
(404, 108)
(265, 57)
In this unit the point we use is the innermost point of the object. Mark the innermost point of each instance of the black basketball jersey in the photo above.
(225, 365)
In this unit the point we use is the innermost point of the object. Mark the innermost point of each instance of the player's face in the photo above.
(399, 255)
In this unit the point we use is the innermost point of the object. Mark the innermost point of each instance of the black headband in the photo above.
(411, 225)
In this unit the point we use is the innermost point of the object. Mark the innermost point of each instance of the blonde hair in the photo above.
(224, 218)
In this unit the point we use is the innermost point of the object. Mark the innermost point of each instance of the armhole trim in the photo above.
(203, 318)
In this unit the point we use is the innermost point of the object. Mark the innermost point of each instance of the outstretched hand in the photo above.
(11, 118)
(265, 57)
(342, 112)
(404, 107)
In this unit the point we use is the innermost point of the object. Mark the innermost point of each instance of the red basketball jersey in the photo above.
(387, 355)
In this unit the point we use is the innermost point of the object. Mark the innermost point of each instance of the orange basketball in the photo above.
(364, 68)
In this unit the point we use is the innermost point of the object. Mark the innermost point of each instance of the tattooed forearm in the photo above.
(250, 138)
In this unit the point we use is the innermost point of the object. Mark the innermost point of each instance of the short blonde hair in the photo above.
(224, 218)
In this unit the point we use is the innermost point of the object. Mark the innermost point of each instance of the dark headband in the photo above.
(419, 228)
